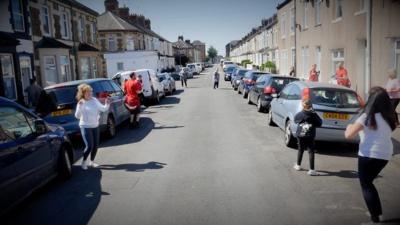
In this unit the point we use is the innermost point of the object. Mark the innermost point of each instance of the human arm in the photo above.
(299, 117)
(78, 111)
(353, 129)
(317, 121)
(102, 107)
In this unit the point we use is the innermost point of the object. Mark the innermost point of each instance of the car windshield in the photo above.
(63, 95)
(191, 66)
(242, 72)
(280, 82)
(161, 77)
(230, 69)
(255, 76)
(335, 98)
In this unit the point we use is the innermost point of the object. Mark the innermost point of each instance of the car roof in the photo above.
(75, 83)
(280, 76)
(311, 84)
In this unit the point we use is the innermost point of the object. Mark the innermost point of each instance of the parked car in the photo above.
(175, 76)
(168, 83)
(227, 64)
(228, 73)
(32, 153)
(265, 86)
(188, 70)
(63, 96)
(336, 105)
(153, 91)
(237, 77)
(248, 81)
(193, 68)
(200, 66)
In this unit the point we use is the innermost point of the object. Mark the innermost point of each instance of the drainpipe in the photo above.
(368, 50)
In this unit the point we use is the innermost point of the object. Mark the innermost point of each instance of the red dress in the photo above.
(313, 76)
(342, 78)
(131, 88)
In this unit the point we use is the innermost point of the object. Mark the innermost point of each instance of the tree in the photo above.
(212, 53)
(270, 66)
(245, 62)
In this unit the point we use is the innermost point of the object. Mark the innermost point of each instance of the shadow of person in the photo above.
(132, 167)
(341, 173)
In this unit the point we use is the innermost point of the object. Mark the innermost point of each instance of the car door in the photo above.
(292, 104)
(119, 100)
(279, 113)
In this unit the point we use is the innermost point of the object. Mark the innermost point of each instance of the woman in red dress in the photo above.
(132, 89)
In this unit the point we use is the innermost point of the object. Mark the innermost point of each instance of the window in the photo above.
(293, 57)
(7, 68)
(93, 32)
(85, 68)
(64, 25)
(26, 73)
(64, 68)
(317, 7)
(285, 92)
(130, 45)
(283, 26)
(45, 21)
(82, 29)
(397, 57)
(15, 124)
(363, 5)
(292, 21)
(318, 58)
(120, 66)
(294, 93)
(50, 70)
(337, 58)
(305, 55)
(18, 15)
(338, 9)
(93, 62)
(112, 46)
(305, 15)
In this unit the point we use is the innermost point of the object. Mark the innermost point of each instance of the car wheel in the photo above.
(259, 106)
(248, 99)
(289, 139)
(111, 129)
(244, 94)
(269, 118)
(157, 100)
(238, 91)
(65, 164)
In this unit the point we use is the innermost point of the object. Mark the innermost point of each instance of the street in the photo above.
(205, 156)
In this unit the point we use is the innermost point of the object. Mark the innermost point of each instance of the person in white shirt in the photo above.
(393, 88)
(375, 127)
(88, 112)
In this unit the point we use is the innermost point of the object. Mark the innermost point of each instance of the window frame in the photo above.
(337, 59)
(305, 15)
(317, 8)
(65, 25)
(338, 8)
(283, 26)
(46, 17)
(82, 29)
(12, 76)
(112, 39)
(118, 66)
(397, 57)
(20, 13)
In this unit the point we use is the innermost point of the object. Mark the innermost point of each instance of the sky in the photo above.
(215, 22)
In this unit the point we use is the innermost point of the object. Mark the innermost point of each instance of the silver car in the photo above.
(336, 105)
(167, 82)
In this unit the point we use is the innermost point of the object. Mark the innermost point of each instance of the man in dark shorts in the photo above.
(133, 88)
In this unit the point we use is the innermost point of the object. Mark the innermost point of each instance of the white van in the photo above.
(152, 88)
(194, 68)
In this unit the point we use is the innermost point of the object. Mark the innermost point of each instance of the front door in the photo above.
(26, 74)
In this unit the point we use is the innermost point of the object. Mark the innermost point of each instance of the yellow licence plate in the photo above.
(336, 116)
(62, 112)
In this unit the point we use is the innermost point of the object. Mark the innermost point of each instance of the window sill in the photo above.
(360, 12)
(318, 25)
(337, 20)
(305, 29)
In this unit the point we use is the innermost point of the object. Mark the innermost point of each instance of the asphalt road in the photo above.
(205, 156)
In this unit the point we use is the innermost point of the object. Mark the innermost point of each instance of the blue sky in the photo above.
(215, 22)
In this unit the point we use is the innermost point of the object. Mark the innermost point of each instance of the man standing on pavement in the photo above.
(184, 74)
(341, 76)
(313, 76)
(33, 92)
(216, 79)
(132, 89)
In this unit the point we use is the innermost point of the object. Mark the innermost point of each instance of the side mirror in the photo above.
(40, 127)
(274, 95)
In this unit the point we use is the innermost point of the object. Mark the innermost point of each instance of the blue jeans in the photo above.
(91, 138)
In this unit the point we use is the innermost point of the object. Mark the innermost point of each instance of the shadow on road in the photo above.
(178, 92)
(168, 101)
(167, 127)
(341, 173)
(337, 149)
(61, 202)
(131, 167)
(225, 89)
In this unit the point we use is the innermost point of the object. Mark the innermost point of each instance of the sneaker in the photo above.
(93, 164)
(85, 164)
(312, 173)
(297, 167)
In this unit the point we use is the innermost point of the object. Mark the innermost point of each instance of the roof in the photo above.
(110, 21)
(312, 84)
(282, 4)
(181, 44)
(197, 42)
(47, 42)
(7, 39)
(80, 6)
(87, 47)
(75, 82)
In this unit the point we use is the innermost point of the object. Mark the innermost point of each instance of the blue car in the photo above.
(32, 152)
(63, 96)
(248, 81)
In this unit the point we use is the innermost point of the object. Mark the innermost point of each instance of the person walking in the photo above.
(88, 112)
(307, 121)
(292, 73)
(342, 77)
(216, 79)
(375, 127)
(33, 91)
(184, 75)
(393, 88)
(132, 89)
(313, 75)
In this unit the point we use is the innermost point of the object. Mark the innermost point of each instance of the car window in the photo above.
(116, 88)
(335, 98)
(63, 95)
(15, 124)
(294, 93)
(280, 82)
(285, 92)
(97, 88)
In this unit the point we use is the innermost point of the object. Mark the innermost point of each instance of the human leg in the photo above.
(96, 137)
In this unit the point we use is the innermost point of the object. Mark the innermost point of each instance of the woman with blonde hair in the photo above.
(88, 112)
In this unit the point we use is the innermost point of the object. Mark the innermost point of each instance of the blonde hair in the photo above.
(392, 73)
(82, 89)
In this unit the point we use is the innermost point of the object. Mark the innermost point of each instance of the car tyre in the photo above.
(290, 141)
(269, 118)
(259, 106)
(238, 91)
(244, 94)
(157, 99)
(65, 163)
(111, 127)
(248, 99)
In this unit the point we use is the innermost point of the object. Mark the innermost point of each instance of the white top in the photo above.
(393, 84)
(88, 112)
(375, 143)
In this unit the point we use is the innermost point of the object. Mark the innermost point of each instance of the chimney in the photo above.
(111, 5)
(187, 41)
(124, 12)
(148, 24)
(180, 38)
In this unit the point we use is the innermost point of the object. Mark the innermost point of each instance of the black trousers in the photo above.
(183, 81)
(368, 170)
(216, 84)
(306, 144)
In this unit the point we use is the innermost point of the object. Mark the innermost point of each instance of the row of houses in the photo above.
(185, 51)
(363, 34)
(55, 41)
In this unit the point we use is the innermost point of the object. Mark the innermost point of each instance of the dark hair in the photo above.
(379, 102)
(32, 80)
(132, 74)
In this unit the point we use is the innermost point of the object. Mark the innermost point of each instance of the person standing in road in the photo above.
(88, 112)
(393, 88)
(216, 79)
(184, 75)
(307, 121)
(291, 73)
(132, 89)
(342, 77)
(313, 76)
(375, 127)
(33, 91)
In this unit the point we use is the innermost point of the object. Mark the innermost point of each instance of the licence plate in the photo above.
(336, 116)
(62, 112)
